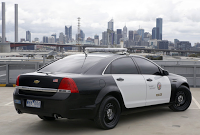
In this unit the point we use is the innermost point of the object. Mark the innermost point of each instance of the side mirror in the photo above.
(165, 72)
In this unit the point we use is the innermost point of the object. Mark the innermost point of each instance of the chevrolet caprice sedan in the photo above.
(100, 85)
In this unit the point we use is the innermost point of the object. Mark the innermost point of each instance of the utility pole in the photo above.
(3, 23)
(78, 38)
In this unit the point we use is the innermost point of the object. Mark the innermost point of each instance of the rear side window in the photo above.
(72, 64)
(146, 67)
(122, 66)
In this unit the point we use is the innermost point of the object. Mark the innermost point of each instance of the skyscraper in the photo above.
(104, 38)
(96, 39)
(141, 33)
(61, 38)
(111, 25)
(45, 39)
(68, 32)
(183, 45)
(82, 35)
(155, 33)
(28, 36)
(125, 33)
(130, 35)
(54, 35)
(119, 35)
(175, 42)
(159, 22)
(164, 44)
(51, 39)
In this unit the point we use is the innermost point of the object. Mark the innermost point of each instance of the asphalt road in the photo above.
(156, 122)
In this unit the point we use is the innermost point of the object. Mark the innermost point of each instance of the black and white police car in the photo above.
(99, 85)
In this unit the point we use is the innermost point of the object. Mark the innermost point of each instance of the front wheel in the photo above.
(108, 113)
(183, 99)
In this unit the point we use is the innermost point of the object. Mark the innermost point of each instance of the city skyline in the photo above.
(179, 20)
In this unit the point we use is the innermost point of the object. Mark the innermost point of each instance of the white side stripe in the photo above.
(195, 101)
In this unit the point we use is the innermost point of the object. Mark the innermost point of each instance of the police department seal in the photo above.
(159, 85)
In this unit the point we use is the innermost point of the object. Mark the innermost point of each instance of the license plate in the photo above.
(16, 101)
(33, 103)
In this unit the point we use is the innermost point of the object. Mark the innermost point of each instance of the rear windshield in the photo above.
(72, 64)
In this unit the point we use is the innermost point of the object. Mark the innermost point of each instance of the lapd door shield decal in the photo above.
(159, 85)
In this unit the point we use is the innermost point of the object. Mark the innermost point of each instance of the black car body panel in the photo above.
(176, 82)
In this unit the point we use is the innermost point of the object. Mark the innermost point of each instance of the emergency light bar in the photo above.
(89, 50)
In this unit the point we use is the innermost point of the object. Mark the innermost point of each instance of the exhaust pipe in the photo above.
(56, 116)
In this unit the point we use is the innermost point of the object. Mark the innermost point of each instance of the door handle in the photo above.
(120, 79)
(149, 80)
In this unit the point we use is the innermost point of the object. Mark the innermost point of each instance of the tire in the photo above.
(46, 118)
(109, 113)
(182, 99)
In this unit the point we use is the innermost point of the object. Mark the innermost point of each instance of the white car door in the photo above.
(158, 86)
(131, 84)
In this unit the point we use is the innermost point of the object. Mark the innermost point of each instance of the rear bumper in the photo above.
(65, 105)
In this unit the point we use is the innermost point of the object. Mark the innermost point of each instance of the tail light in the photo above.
(17, 81)
(68, 84)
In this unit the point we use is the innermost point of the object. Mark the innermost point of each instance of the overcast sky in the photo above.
(181, 18)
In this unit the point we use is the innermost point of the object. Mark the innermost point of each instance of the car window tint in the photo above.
(146, 67)
(72, 64)
(123, 66)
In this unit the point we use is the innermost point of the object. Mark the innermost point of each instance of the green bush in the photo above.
(50, 57)
(193, 55)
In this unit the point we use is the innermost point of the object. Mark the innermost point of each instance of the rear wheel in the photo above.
(183, 99)
(108, 113)
(46, 118)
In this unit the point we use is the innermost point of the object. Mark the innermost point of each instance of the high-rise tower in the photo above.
(159, 22)
(28, 36)
(125, 33)
(111, 25)
(155, 33)
(130, 35)
(141, 33)
(54, 35)
(119, 35)
(96, 39)
(68, 32)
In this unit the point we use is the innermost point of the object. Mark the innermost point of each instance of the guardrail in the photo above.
(10, 70)
(189, 69)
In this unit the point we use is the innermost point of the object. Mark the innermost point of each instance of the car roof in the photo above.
(97, 54)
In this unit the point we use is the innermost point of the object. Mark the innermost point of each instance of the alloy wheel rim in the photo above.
(180, 99)
(110, 113)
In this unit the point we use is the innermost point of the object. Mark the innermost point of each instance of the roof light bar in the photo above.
(89, 50)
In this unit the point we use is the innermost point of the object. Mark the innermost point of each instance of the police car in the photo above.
(101, 85)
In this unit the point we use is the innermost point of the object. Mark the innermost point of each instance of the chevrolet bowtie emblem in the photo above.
(36, 81)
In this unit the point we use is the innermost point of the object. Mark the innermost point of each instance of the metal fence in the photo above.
(10, 70)
(189, 69)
